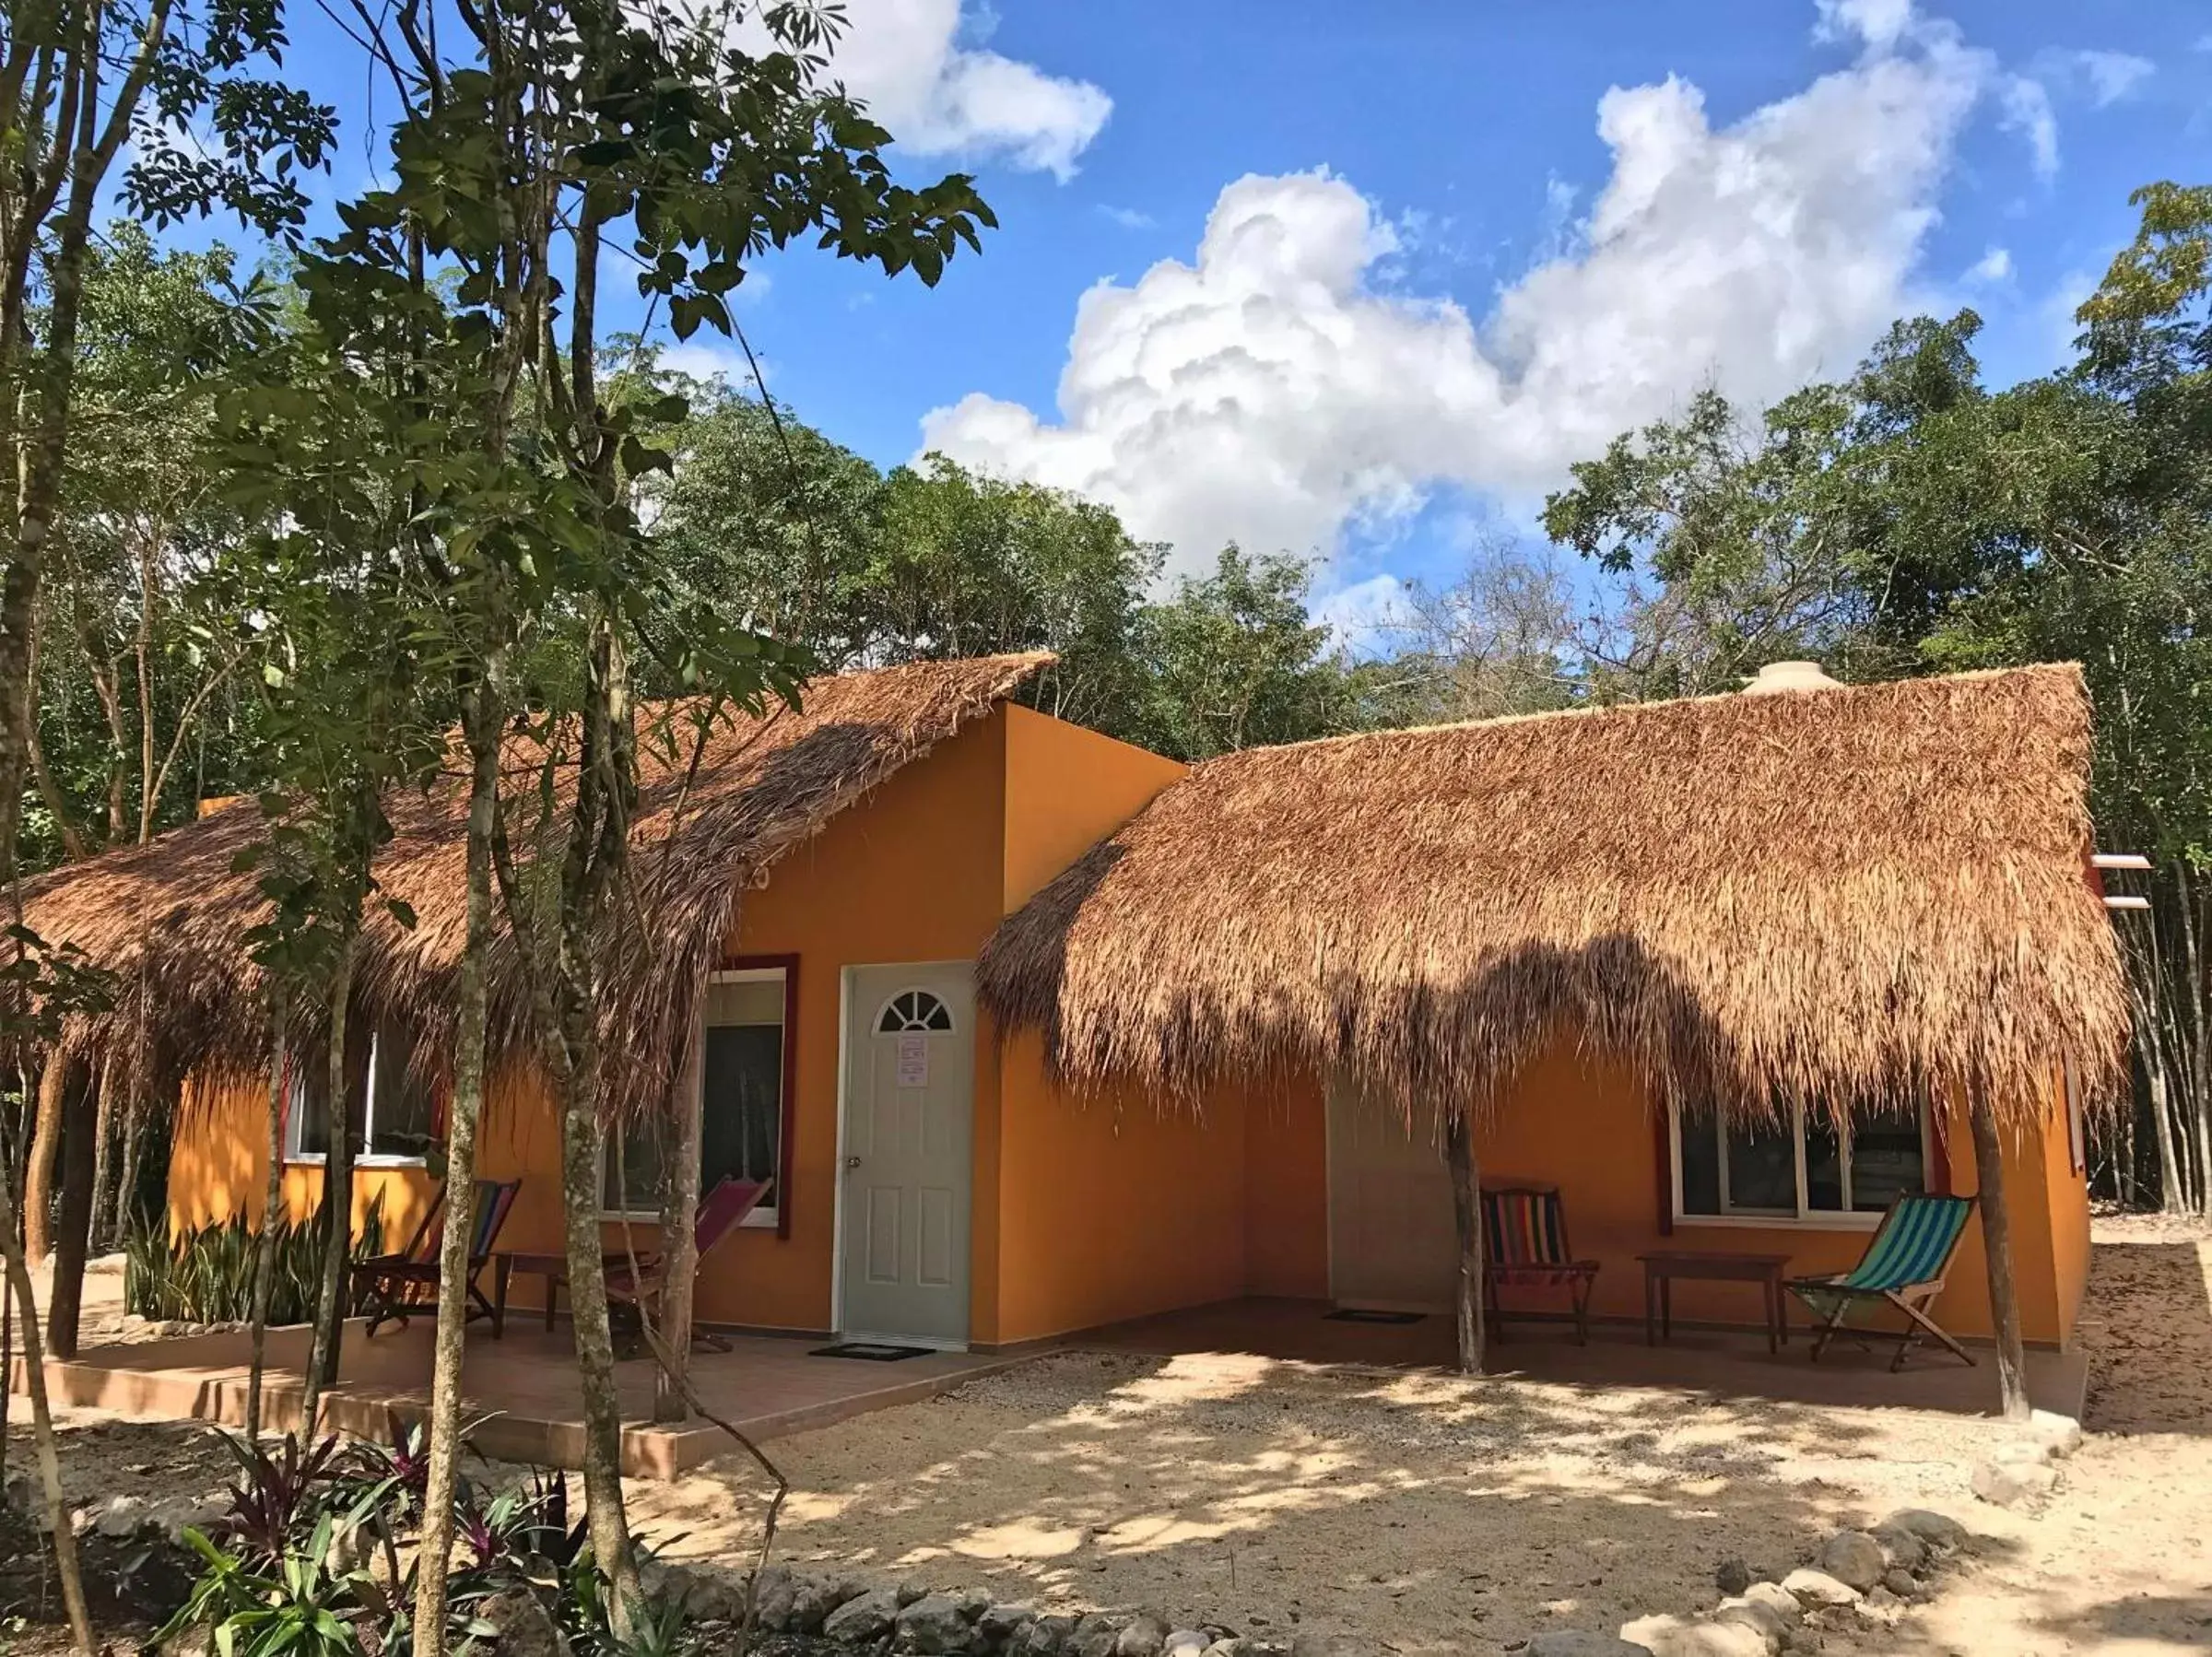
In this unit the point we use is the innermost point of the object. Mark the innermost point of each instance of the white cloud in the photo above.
(1881, 24)
(1991, 267)
(1274, 391)
(904, 59)
(2025, 105)
(1128, 219)
(2112, 75)
(1366, 615)
(710, 356)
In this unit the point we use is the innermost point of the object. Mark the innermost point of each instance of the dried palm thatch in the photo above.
(168, 918)
(1832, 896)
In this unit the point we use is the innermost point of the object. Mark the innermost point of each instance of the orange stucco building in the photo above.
(1062, 1213)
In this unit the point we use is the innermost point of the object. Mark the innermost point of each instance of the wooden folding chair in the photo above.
(720, 1211)
(1524, 1242)
(384, 1284)
(1903, 1267)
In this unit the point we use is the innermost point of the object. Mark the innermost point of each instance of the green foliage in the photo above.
(316, 1555)
(205, 1276)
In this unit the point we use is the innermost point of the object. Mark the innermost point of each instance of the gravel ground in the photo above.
(1439, 1515)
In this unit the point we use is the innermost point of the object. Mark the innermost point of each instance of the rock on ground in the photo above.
(934, 1625)
(1938, 1529)
(1817, 1588)
(1777, 1599)
(1854, 1557)
(863, 1620)
(1684, 1637)
(1143, 1638)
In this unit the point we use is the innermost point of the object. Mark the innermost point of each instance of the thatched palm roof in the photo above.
(168, 918)
(1833, 895)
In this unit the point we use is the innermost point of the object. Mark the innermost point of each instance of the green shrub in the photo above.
(207, 1276)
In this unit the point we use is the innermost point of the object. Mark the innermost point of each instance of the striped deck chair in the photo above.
(384, 1285)
(720, 1212)
(1524, 1242)
(1903, 1267)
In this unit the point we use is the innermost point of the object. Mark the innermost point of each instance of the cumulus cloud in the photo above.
(2113, 76)
(906, 59)
(1993, 267)
(2024, 103)
(1273, 390)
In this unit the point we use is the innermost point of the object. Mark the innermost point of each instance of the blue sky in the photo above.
(1346, 279)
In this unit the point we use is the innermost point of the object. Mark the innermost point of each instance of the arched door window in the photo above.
(913, 1010)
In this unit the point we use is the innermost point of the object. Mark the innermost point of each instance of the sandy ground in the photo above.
(1443, 1516)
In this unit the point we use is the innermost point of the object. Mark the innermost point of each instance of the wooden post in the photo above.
(1466, 1215)
(679, 1240)
(73, 1222)
(1997, 1247)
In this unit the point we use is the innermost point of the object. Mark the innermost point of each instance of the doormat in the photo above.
(1361, 1314)
(869, 1352)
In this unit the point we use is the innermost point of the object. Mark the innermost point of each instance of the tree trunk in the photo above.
(338, 1210)
(73, 1227)
(45, 1147)
(679, 1241)
(464, 1112)
(127, 1188)
(103, 1160)
(265, 1247)
(2161, 1119)
(42, 1422)
(1997, 1244)
(1466, 1217)
(579, 1165)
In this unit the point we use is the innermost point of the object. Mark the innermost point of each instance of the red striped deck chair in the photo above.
(720, 1212)
(385, 1286)
(1524, 1244)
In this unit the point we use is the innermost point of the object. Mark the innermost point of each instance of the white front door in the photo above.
(908, 1131)
(1392, 1240)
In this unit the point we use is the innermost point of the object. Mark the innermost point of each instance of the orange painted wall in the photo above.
(1066, 790)
(219, 1164)
(1585, 1126)
(1108, 1209)
(2067, 1202)
(1071, 1197)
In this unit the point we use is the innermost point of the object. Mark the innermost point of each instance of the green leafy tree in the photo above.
(545, 137)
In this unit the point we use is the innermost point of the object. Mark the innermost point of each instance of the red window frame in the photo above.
(787, 1126)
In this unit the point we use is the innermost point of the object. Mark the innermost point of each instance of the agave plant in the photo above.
(206, 1275)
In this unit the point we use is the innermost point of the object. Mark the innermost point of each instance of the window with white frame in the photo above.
(1796, 1169)
(392, 1108)
(741, 1100)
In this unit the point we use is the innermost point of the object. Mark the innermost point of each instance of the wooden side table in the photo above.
(553, 1268)
(1663, 1266)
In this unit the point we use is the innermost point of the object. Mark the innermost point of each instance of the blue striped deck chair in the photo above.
(1903, 1267)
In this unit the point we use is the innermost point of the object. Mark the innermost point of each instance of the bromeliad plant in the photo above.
(317, 1557)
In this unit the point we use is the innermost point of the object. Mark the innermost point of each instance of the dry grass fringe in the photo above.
(1841, 897)
(168, 918)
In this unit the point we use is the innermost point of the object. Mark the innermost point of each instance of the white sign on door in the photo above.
(913, 1059)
